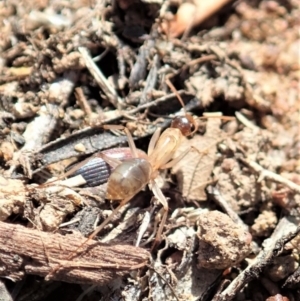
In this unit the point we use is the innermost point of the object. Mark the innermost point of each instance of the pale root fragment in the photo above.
(190, 14)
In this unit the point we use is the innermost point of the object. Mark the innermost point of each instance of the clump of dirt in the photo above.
(74, 74)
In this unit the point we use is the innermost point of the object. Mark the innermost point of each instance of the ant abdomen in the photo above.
(128, 179)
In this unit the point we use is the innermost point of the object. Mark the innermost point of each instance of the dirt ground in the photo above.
(232, 202)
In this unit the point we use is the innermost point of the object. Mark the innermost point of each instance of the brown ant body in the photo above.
(132, 175)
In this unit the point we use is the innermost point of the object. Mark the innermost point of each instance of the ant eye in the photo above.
(183, 124)
(193, 127)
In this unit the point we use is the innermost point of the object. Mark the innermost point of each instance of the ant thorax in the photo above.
(165, 147)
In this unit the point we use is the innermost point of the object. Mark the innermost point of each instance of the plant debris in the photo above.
(222, 242)
(73, 73)
(39, 257)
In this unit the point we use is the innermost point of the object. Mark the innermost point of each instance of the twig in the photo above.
(165, 281)
(101, 80)
(98, 58)
(200, 60)
(154, 102)
(28, 251)
(286, 230)
(144, 225)
(37, 132)
(264, 173)
(246, 122)
(216, 194)
(83, 103)
(151, 80)
(139, 69)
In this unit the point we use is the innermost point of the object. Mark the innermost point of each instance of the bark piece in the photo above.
(28, 251)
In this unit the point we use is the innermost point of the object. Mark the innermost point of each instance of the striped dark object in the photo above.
(96, 171)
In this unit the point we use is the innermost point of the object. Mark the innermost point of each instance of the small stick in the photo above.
(272, 247)
(264, 173)
(247, 123)
(200, 60)
(153, 103)
(104, 84)
(29, 251)
(216, 194)
(37, 132)
(83, 103)
(151, 80)
(166, 282)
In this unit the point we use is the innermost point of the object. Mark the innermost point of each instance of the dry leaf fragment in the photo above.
(194, 170)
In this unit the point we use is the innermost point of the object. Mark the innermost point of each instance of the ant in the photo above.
(131, 175)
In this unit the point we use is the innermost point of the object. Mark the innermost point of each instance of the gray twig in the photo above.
(267, 174)
(216, 194)
(286, 230)
(101, 80)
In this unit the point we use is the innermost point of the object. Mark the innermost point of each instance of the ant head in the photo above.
(186, 124)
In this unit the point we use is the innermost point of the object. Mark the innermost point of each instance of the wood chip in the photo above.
(29, 251)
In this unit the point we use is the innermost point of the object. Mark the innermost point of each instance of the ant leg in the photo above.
(99, 228)
(153, 141)
(162, 199)
(111, 216)
(129, 137)
(77, 166)
(177, 159)
(69, 172)
(111, 161)
(131, 143)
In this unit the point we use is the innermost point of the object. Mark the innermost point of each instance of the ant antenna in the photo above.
(180, 122)
(173, 89)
